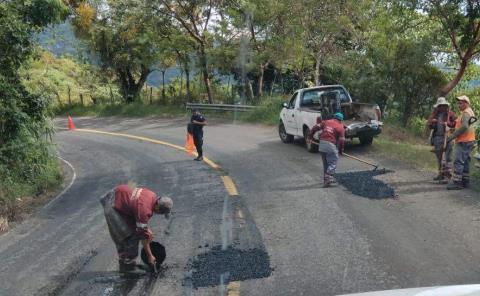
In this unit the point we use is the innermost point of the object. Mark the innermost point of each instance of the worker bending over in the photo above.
(127, 211)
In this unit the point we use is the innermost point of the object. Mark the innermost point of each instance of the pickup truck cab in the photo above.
(308, 106)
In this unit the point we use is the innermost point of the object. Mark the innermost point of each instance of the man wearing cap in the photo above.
(332, 141)
(127, 211)
(198, 121)
(440, 121)
(464, 137)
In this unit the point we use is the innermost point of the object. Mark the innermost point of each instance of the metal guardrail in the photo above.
(220, 107)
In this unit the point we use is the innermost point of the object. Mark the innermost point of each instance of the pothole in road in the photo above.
(362, 183)
(219, 266)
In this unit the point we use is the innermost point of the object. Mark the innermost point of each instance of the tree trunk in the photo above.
(131, 88)
(249, 89)
(451, 85)
(407, 112)
(206, 77)
(187, 82)
(260, 79)
(273, 82)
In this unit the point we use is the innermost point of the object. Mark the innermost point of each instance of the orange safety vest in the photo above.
(469, 134)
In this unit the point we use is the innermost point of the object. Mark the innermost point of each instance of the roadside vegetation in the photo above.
(28, 166)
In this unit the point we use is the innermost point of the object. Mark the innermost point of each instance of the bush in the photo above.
(268, 110)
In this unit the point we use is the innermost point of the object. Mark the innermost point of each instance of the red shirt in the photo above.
(136, 207)
(331, 131)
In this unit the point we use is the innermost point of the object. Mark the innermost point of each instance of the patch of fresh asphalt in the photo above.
(233, 263)
(363, 183)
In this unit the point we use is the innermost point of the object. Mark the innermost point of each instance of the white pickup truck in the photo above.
(309, 105)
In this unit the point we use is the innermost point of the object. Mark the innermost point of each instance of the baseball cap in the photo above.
(463, 98)
(338, 116)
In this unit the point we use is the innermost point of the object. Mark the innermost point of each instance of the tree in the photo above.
(324, 24)
(194, 17)
(166, 61)
(391, 61)
(128, 38)
(24, 151)
(460, 22)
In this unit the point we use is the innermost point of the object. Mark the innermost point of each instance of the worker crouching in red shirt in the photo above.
(127, 211)
(332, 142)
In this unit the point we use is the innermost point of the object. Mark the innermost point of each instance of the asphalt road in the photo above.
(317, 241)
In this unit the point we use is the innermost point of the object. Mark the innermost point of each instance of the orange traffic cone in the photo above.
(71, 125)
(189, 145)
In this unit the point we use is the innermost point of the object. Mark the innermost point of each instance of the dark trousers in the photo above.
(123, 236)
(461, 172)
(198, 141)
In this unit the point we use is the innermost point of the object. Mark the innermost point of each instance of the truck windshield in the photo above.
(324, 97)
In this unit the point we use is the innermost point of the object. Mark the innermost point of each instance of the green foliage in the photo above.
(267, 112)
(63, 80)
(128, 37)
(26, 165)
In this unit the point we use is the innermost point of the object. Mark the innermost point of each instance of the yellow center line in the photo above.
(229, 185)
(233, 289)
(145, 139)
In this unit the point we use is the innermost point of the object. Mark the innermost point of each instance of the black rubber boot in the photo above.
(455, 186)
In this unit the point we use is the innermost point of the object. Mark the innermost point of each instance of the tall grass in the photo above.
(268, 111)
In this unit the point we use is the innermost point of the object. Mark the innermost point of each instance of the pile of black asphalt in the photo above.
(218, 266)
(363, 183)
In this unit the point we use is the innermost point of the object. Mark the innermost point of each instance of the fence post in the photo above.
(151, 95)
(111, 94)
(69, 95)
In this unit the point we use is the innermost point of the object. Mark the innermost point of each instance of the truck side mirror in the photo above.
(285, 105)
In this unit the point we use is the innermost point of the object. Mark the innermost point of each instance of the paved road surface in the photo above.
(319, 241)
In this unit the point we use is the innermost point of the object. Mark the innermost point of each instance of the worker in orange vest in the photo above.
(464, 137)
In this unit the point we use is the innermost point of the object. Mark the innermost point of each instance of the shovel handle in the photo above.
(361, 160)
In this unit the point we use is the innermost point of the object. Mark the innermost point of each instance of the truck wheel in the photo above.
(286, 138)
(366, 140)
(312, 148)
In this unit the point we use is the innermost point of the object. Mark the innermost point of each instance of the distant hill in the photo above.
(61, 41)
